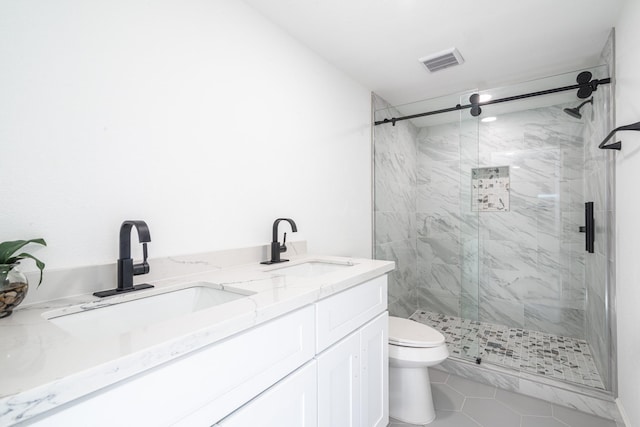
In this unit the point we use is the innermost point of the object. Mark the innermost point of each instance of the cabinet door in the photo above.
(339, 384)
(374, 369)
(289, 403)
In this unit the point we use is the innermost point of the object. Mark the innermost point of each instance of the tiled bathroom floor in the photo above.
(463, 403)
(563, 358)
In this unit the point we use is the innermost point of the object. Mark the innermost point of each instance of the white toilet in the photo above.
(413, 347)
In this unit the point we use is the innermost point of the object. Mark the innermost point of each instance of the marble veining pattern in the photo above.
(527, 261)
(558, 357)
(395, 188)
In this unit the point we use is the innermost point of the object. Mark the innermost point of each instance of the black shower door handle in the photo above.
(589, 227)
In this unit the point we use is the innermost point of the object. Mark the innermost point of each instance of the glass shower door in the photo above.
(469, 235)
(542, 296)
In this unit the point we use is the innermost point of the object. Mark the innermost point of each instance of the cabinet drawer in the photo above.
(343, 313)
(289, 403)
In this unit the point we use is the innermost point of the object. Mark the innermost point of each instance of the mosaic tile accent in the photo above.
(558, 357)
(490, 189)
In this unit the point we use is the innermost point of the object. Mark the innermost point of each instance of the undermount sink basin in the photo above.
(311, 268)
(130, 311)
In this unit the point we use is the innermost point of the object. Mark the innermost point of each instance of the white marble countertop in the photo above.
(42, 366)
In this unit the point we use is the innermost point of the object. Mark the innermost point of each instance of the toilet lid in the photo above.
(407, 333)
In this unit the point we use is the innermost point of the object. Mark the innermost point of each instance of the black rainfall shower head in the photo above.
(575, 112)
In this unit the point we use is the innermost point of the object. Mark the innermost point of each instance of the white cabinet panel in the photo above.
(353, 379)
(290, 403)
(374, 368)
(204, 386)
(339, 384)
(343, 313)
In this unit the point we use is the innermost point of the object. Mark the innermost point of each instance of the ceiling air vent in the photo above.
(445, 59)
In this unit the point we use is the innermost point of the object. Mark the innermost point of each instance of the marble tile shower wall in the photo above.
(395, 205)
(438, 218)
(522, 268)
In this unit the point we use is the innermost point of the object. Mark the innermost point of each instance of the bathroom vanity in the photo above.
(304, 344)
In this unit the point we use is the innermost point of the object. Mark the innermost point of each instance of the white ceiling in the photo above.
(378, 42)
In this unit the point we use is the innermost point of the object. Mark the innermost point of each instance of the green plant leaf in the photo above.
(7, 249)
(39, 263)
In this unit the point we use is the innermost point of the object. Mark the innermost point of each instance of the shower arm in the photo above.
(588, 101)
(617, 145)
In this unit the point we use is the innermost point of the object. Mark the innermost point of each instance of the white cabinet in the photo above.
(353, 367)
(351, 389)
(325, 364)
(353, 379)
(289, 403)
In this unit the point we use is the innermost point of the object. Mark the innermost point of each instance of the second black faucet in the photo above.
(276, 247)
(126, 268)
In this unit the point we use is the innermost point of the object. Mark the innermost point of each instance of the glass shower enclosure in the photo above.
(482, 214)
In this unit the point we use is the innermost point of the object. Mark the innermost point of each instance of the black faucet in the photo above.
(276, 247)
(126, 268)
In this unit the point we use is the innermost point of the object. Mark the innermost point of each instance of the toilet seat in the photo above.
(407, 333)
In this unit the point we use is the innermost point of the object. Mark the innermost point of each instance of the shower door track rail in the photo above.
(474, 104)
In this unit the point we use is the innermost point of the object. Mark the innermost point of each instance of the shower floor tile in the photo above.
(563, 358)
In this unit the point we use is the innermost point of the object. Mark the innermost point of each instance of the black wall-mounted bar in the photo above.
(589, 227)
(617, 145)
(583, 88)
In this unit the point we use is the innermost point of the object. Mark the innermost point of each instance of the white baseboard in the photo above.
(623, 414)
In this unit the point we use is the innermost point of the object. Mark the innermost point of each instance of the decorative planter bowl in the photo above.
(13, 288)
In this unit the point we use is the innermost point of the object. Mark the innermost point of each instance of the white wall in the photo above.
(198, 116)
(628, 210)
